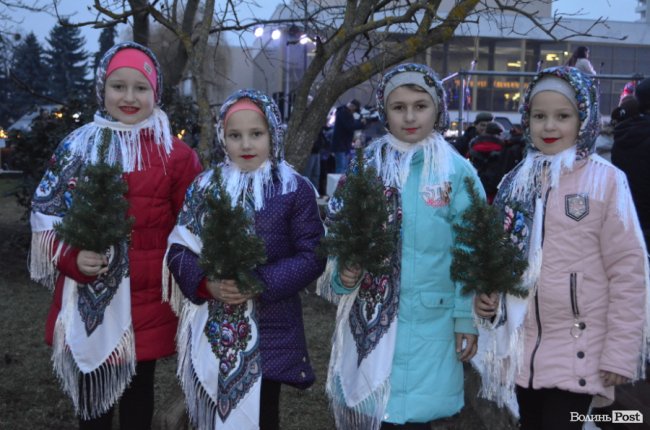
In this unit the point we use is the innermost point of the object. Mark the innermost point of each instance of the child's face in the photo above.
(128, 96)
(554, 122)
(248, 142)
(411, 114)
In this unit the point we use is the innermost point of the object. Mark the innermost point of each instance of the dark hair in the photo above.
(580, 52)
(642, 95)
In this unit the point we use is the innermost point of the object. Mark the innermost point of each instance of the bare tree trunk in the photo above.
(181, 54)
(196, 64)
(140, 22)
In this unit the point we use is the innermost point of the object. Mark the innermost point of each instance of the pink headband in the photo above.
(135, 59)
(242, 104)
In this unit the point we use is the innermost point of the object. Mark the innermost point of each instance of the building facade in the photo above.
(505, 44)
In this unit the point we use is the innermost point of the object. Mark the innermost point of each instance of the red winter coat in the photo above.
(155, 195)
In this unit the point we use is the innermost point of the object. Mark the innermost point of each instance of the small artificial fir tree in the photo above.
(97, 218)
(230, 249)
(484, 258)
(360, 234)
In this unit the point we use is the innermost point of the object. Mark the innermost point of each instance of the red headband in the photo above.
(134, 59)
(242, 104)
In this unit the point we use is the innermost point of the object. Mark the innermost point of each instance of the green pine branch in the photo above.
(97, 217)
(359, 234)
(484, 258)
(230, 250)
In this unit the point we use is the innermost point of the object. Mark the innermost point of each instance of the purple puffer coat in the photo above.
(291, 228)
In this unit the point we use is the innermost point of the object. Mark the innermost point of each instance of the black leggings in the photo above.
(270, 405)
(136, 403)
(550, 408)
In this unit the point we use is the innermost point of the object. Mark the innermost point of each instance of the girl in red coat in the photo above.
(107, 324)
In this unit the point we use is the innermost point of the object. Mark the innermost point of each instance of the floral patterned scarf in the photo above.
(358, 382)
(522, 199)
(103, 353)
(219, 362)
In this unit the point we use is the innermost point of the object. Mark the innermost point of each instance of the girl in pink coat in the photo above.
(583, 328)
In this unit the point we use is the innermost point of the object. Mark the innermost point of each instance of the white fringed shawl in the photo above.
(359, 387)
(94, 368)
(501, 343)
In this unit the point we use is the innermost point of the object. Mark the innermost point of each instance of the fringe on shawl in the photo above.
(528, 179)
(625, 210)
(257, 184)
(500, 372)
(324, 283)
(201, 408)
(86, 141)
(43, 258)
(171, 292)
(94, 393)
(394, 169)
(531, 275)
(367, 414)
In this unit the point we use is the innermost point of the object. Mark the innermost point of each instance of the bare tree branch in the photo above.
(355, 40)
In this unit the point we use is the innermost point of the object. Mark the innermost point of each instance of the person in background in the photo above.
(605, 141)
(631, 150)
(580, 60)
(515, 147)
(628, 108)
(312, 169)
(107, 323)
(345, 125)
(628, 90)
(583, 327)
(478, 127)
(486, 153)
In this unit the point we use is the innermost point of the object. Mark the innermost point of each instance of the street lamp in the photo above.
(292, 35)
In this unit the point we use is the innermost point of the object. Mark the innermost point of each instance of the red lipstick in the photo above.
(550, 140)
(129, 110)
(247, 157)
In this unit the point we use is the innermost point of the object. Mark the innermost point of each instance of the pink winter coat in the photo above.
(589, 310)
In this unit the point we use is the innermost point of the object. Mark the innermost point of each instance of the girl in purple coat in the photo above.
(232, 377)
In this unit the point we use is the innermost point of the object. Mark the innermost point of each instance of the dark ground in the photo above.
(30, 398)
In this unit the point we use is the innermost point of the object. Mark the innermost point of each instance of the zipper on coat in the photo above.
(537, 317)
(574, 295)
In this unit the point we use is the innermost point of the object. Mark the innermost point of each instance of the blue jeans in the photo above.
(341, 159)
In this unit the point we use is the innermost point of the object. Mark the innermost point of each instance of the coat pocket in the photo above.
(435, 315)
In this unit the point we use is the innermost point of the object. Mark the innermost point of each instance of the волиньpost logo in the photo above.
(627, 417)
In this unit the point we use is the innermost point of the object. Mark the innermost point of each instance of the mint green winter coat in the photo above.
(426, 377)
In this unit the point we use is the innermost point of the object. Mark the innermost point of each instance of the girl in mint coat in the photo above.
(402, 336)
